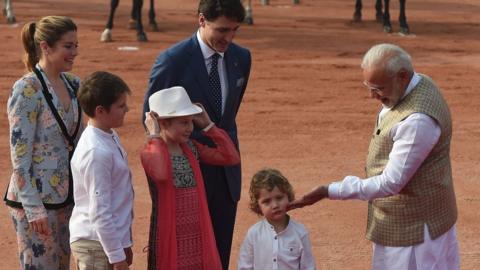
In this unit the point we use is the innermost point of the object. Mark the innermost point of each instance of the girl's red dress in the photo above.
(181, 232)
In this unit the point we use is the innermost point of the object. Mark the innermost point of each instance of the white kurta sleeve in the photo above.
(98, 183)
(413, 139)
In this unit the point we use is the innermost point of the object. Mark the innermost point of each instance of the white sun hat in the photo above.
(172, 102)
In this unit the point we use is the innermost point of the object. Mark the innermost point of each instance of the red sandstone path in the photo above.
(305, 111)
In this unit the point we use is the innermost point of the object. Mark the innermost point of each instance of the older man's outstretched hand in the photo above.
(317, 194)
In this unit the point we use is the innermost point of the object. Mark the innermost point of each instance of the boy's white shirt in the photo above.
(103, 193)
(264, 249)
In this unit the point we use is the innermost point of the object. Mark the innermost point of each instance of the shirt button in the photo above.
(275, 237)
(274, 259)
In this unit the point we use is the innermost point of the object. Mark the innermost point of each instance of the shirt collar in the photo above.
(102, 132)
(270, 226)
(207, 52)
(413, 82)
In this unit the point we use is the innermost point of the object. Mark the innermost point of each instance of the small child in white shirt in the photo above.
(100, 226)
(276, 242)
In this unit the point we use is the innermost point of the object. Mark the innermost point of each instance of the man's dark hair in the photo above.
(212, 9)
(100, 88)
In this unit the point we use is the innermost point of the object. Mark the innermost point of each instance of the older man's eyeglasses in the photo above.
(374, 88)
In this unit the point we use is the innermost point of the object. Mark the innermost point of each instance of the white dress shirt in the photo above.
(264, 249)
(413, 139)
(207, 53)
(103, 193)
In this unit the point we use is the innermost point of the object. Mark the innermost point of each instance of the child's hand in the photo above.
(123, 265)
(201, 120)
(151, 122)
(129, 254)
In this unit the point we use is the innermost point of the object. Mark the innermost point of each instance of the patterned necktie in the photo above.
(214, 82)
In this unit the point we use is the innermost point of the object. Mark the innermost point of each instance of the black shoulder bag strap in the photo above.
(70, 139)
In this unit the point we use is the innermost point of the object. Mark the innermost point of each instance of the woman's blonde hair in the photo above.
(268, 179)
(49, 29)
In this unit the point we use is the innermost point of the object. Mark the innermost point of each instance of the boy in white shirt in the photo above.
(100, 226)
(276, 242)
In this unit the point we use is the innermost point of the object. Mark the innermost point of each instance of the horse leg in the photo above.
(107, 33)
(132, 23)
(357, 15)
(152, 23)
(387, 26)
(248, 12)
(141, 36)
(265, 2)
(8, 12)
(378, 11)
(404, 29)
(295, 2)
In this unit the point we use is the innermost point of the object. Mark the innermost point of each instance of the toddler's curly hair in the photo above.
(268, 179)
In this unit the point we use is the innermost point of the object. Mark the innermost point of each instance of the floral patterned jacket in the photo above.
(38, 148)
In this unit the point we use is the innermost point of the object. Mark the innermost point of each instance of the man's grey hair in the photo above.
(390, 57)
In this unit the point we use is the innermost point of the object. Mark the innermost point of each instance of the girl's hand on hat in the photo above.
(202, 120)
(151, 123)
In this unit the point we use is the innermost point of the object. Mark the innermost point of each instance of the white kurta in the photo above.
(103, 192)
(413, 139)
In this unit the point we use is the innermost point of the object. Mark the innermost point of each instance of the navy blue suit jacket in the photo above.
(183, 65)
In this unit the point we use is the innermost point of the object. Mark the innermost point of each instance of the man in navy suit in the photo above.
(189, 64)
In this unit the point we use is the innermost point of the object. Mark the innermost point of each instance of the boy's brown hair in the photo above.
(100, 88)
(268, 179)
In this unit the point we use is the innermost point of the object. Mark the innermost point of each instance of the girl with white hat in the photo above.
(181, 233)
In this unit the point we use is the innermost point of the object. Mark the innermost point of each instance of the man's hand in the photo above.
(319, 193)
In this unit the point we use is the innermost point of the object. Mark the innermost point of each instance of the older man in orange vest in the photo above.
(412, 207)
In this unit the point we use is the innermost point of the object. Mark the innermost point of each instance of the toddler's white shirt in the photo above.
(264, 249)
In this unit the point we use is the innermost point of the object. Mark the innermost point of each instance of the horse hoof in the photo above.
(132, 24)
(357, 17)
(387, 28)
(9, 15)
(379, 17)
(142, 37)
(265, 2)
(248, 20)
(11, 20)
(296, 2)
(404, 30)
(106, 36)
(153, 26)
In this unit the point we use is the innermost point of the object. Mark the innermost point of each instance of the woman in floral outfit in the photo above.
(39, 193)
